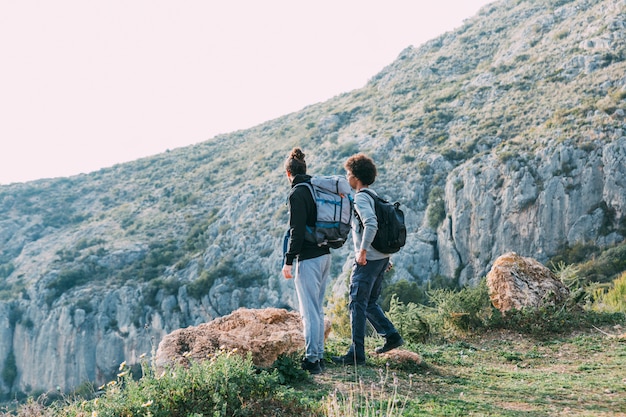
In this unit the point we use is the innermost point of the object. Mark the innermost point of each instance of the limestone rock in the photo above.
(265, 333)
(402, 357)
(516, 282)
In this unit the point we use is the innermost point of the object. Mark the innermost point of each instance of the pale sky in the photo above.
(86, 84)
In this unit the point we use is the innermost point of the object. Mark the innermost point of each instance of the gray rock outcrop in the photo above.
(492, 207)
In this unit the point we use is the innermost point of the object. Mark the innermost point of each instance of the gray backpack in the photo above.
(333, 200)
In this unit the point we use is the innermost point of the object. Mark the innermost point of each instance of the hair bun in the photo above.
(297, 154)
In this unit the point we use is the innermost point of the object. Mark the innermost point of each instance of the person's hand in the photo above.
(287, 271)
(361, 257)
(389, 266)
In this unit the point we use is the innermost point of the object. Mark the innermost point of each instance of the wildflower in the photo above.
(147, 403)
(111, 383)
(122, 365)
(143, 355)
(122, 374)
(94, 414)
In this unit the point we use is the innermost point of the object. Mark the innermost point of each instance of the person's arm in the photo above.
(297, 228)
(364, 206)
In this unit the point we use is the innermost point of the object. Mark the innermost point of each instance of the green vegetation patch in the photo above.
(224, 385)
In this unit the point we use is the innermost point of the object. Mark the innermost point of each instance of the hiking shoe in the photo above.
(391, 342)
(348, 359)
(313, 368)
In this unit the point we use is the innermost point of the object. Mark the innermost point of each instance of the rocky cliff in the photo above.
(504, 135)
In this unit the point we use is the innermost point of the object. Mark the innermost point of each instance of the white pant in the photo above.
(311, 278)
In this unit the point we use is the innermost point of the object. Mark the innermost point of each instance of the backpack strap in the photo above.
(369, 192)
(309, 186)
(374, 197)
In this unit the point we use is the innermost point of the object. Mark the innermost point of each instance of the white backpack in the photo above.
(334, 202)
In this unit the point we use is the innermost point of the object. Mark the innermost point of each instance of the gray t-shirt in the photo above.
(363, 236)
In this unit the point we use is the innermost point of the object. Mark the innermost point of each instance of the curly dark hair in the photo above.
(362, 167)
(295, 163)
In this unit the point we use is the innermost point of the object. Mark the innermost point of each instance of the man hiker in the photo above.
(369, 267)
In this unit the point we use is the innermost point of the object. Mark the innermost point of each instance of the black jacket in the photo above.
(302, 213)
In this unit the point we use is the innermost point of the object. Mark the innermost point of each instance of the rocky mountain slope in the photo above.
(504, 135)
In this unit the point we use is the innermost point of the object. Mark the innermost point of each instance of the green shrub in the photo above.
(559, 3)
(406, 292)
(289, 370)
(407, 320)
(201, 286)
(613, 300)
(569, 275)
(436, 118)
(87, 243)
(196, 238)
(461, 310)
(64, 281)
(571, 315)
(339, 315)
(506, 156)
(606, 266)
(9, 291)
(578, 252)
(550, 320)
(347, 149)
(241, 280)
(168, 287)
(162, 254)
(424, 168)
(224, 385)
(457, 312)
(9, 370)
(455, 154)
(436, 211)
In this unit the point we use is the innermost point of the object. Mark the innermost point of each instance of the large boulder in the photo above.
(516, 282)
(264, 333)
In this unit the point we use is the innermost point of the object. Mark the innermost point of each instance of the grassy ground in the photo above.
(500, 374)
(496, 373)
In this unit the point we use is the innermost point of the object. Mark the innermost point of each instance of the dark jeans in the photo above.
(365, 285)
